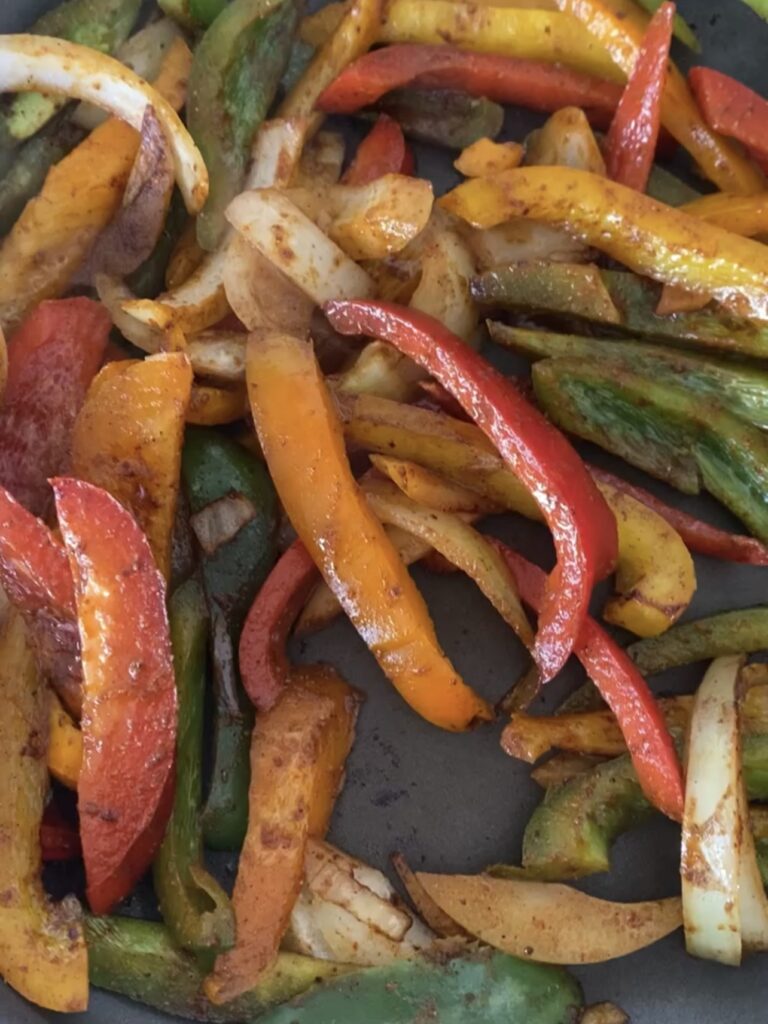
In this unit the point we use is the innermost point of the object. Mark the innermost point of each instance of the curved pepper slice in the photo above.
(652, 239)
(622, 38)
(529, 83)
(634, 130)
(583, 527)
(129, 700)
(35, 574)
(382, 151)
(264, 665)
(625, 692)
(51, 360)
(732, 108)
(302, 439)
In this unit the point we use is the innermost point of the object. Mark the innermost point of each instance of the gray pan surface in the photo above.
(457, 803)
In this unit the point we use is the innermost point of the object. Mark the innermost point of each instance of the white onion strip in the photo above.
(51, 65)
(713, 826)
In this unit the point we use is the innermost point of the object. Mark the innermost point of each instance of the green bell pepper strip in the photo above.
(235, 74)
(661, 428)
(30, 164)
(636, 299)
(101, 24)
(193, 14)
(683, 30)
(668, 188)
(216, 469)
(478, 988)
(571, 833)
(740, 388)
(139, 959)
(452, 120)
(556, 289)
(735, 632)
(759, 7)
(195, 908)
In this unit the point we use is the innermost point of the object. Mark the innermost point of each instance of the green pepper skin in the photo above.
(235, 74)
(661, 428)
(215, 467)
(668, 188)
(193, 14)
(682, 29)
(482, 988)
(444, 118)
(138, 959)
(538, 287)
(741, 389)
(636, 299)
(195, 908)
(101, 24)
(736, 632)
(30, 165)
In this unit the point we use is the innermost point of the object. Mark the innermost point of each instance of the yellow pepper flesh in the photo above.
(303, 443)
(537, 35)
(65, 745)
(621, 37)
(647, 236)
(743, 215)
(42, 949)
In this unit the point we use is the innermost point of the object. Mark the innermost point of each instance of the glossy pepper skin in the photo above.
(634, 131)
(625, 692)
(480, 988)
(382, 151)
(235, 74)
(534, 84)
(732, 108)
(125, 789)
(583, 527)
(140, 960)
(194, 906)
(663, 429)
(215, 469)
(734, 632)
(441, 117)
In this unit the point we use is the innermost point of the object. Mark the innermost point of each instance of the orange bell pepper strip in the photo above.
(126, 781)
(52, 358)
(743, 215)
(302, 440)
(625, 692)
(382, 151)
(214, 407)
(622, 38)
(35, 574)
(285, 768)
(634, 131)
(698, 536)
(128, 438)
(529, 83)
(264, 665)
(732, 108)
(42, 948)
(583, 527)
(650, 238)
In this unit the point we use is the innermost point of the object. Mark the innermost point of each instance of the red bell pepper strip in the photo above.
(59, 839)
(52, 359)
(126, 781)
(264, 666)
(582, 525)
(699, 537)
(634, 131)
(732, 109)
(625, 692)
(382, 151)
(528, 83)
(35, 574)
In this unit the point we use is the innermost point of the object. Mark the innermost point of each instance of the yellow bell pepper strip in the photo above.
(427, 488)
(535, 35)
(128, 437)
(621, 37)
(355, 33)
(65, 745)
(648, 237)
(583, 528)
(213, 407)
(486, 157)
(285, 770)
(743, 215)
(126, 784)
(42, 950)
(302, 439)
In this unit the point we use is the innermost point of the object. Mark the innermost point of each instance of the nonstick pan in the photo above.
(456, 802)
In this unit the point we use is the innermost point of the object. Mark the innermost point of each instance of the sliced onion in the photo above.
(218, 523)
(50, 65)
(260, 295)
(219, 355)
(713, 819)
(348, 912)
